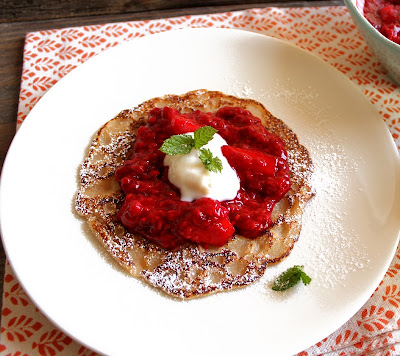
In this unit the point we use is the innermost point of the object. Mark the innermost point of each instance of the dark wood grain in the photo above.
(33, 10)
(20, 17)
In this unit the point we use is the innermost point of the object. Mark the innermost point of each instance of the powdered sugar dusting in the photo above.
(241, 89)
(333, 248)
(329, 247)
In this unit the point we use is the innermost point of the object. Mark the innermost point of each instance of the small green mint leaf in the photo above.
(177, 145)
(203, 135)
(212, 164)
(305, 278)
(205, 156)
(290, 278)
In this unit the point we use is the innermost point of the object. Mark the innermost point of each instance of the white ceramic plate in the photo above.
(350, 229)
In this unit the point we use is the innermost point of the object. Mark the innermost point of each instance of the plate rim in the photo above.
(167, 33)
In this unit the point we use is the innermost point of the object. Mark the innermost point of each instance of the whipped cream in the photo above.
(189, 174)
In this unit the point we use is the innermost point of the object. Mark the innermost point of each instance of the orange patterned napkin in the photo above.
(327, 32)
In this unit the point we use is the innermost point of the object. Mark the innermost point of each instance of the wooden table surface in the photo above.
(17, 17)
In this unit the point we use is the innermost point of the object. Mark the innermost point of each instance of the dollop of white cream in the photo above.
(189, 174)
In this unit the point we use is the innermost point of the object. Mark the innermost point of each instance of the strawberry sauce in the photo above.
(384, 15)
(152, 206)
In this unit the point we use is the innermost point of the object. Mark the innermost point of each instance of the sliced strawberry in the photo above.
(259, 171)
(250, 214)
(206, 222)
(388, 14)
(177, 123)
(250, 160)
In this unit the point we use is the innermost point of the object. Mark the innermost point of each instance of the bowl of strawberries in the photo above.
(378, 22)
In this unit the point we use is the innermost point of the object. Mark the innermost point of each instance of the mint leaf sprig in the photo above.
(183, 144)
(177, 145)
(203, 135)
(212, 164)
(290, 278)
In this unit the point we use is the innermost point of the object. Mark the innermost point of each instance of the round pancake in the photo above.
(191, 270)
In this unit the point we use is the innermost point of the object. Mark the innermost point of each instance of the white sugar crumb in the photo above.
(286, 90)
(240, 88)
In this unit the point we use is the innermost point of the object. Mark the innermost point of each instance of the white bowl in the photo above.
(387, 51)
